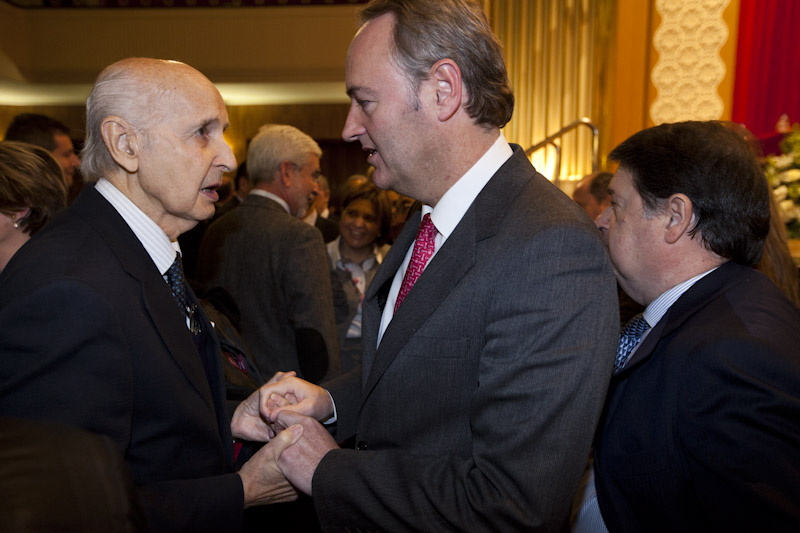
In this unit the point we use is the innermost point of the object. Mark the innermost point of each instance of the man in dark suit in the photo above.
(100, 332)
(50, 134)
(701, 431)
(273, 264)
(480, 391)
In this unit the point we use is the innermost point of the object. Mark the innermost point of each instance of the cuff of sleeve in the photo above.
(331, 420)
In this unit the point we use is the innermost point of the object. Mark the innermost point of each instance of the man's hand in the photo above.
(262, 479)
(299, 462)
(296, 395)
(247, 422)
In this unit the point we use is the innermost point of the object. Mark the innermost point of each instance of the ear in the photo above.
(19, 215)
(286, 169)
(119, 137)
(447, 79)
(680, 221)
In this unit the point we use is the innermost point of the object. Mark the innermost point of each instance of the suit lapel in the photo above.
(444, 272)
(684, 307)
(378, 290)
(158, 300)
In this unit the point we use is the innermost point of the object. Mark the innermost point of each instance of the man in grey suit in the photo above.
(480, 391)
(273, 264)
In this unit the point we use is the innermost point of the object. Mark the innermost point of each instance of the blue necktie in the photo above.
(177, 283)
(628, 339)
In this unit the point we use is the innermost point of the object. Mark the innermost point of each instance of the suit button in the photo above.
(361, 445)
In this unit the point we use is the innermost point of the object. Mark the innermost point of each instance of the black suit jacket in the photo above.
(329, 228)
(701, 431)
(92, 337)
(477, 410)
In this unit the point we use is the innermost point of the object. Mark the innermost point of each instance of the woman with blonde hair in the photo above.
(32, 190)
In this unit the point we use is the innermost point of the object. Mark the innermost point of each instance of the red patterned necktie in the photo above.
(423, 250)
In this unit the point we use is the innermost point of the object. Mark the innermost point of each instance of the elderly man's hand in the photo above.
(247, 422)
(262, 479)
(297, 395)
(299, 462)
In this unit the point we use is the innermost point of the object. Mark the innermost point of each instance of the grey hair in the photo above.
(426, 31)
(274, 144)
(126, 89)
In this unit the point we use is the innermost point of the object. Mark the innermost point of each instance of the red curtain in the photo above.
(767, 80)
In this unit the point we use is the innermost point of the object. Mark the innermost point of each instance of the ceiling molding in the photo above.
(171, 4)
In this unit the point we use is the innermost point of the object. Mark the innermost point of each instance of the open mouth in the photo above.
(211, 192)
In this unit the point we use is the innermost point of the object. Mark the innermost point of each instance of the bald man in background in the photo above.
(591, 193)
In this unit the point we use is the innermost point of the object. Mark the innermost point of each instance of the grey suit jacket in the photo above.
(477, 411)
(276, 268)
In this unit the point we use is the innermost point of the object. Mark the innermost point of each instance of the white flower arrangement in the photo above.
(783, 175)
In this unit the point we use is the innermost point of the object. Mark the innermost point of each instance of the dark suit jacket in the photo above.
(702, 427)
(477, 411)
(276, 268)
(55, 477)
(329, 228)
(92, 337)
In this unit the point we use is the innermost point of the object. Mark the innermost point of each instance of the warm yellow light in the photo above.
(28, 94)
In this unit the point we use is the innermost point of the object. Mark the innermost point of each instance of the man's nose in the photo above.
(603, 218)
(353, 128)
(225, 158)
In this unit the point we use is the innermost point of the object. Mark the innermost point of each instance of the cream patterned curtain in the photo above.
(557, 54)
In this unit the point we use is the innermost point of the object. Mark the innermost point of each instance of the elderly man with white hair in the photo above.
(100, 329)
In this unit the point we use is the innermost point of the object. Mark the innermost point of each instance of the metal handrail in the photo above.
(571, 126)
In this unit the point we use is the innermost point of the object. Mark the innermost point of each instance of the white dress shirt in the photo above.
(448, 213)
(152, 237)
(267, 194)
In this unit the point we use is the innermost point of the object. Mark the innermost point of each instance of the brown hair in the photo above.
(426, 31)
(30, 178)
(380, 202)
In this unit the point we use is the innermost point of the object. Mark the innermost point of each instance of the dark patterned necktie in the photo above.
(628, 339)
(424, 246)
(177, 283)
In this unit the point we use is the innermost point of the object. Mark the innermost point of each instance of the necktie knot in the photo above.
(424, 246)
(628, 339)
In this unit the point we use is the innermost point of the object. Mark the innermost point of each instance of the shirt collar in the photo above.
(271, 196)
(451, 208)
(152, 237)
(335, 255)
(659, 307)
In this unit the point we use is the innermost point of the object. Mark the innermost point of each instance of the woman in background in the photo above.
(355, 255)
(32, 190)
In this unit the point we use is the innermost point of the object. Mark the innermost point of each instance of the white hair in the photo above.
(274, 144)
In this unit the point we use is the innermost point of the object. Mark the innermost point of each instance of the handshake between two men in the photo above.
(284, 413)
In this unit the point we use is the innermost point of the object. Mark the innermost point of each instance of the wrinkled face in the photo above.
(359, 224)
(65, 154)
(384, 113)
(632, 238)
(182, 158)
(303, 187)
